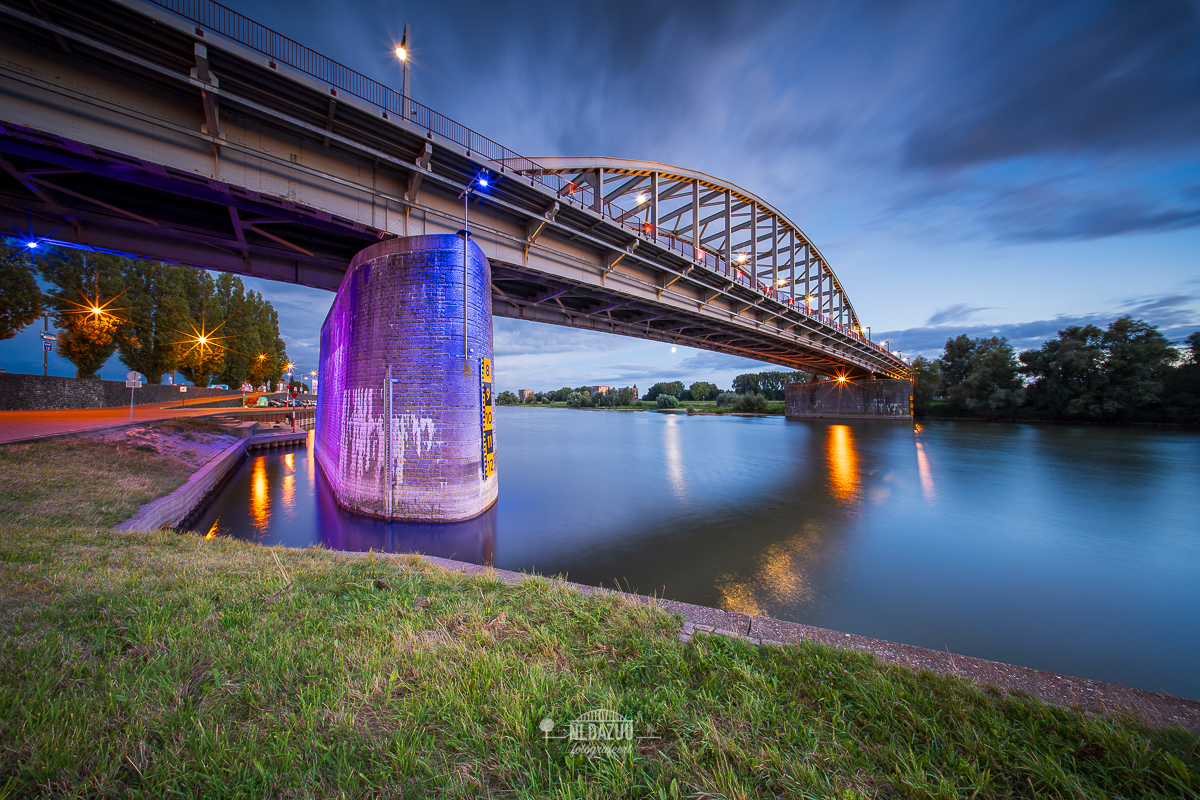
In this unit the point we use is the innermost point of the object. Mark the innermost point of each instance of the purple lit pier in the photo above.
(401, 307)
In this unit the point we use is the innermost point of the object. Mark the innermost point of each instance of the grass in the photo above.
(155, 665)
(86, 481)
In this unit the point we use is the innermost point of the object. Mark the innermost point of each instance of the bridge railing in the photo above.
(211, 15)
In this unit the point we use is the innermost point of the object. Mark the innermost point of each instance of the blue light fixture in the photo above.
(31, 245)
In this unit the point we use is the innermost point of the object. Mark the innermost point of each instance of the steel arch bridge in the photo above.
(181, 131)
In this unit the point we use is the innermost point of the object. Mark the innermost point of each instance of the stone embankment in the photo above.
(44, 393)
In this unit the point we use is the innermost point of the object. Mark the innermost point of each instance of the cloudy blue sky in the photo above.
(978, 167)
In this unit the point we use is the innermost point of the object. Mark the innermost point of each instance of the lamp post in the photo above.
(482, 182)
(402, 53)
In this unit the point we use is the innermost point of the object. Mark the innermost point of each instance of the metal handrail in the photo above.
(220, 19)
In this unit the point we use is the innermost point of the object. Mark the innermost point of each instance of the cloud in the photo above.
(515, 337)
(1065, 79)
(958, 312)
(718, 362)
(1175, 315)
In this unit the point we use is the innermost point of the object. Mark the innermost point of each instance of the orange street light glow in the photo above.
(401, 54)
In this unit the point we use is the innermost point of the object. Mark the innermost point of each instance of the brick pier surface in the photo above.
(401, 305)
(883, 399)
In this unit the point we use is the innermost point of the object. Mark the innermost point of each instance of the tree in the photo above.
(773, 385)
(745, 384)
(703, 390)
(955, 362)
(726, 399)
(269, 368)
(157, 312)
(201, 355)
(89, 319)
(749, 402)
(506, 399)
(665, 400)
(576, 400)
(1111, 374)
(1138, 361)
(20, 298)
(1066, 369)
(673, 388)
(238, 311)
(985, 373)
(1181, 394)
(927, 379)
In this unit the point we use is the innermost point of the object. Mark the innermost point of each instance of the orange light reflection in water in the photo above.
(310, 444)
(843, 463)
(260, 498)
(925, 473)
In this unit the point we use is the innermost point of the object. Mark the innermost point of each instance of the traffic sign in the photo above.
(50, 337)
(183, 388)
(133, 384)
(133, 376)
(47, 346)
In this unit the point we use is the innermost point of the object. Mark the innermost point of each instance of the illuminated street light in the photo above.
(402, 54)
(32, 245)
(641, 198)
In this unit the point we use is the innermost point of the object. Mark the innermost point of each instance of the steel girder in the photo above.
(570, 241)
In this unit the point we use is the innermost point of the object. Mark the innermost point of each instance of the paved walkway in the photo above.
(19, 425)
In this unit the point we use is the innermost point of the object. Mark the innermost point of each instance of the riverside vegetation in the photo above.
(151, 665)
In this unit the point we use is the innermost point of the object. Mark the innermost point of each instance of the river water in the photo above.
(1074, 549)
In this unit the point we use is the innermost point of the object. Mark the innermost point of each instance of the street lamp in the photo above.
(480, 182)
(402, 53)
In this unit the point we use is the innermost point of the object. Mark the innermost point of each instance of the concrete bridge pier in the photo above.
(857, 399)
(404, 423)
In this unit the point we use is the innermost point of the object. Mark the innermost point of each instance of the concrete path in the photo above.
(16, 426)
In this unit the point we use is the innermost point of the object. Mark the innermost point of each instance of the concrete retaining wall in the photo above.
(42, 393)
(170, 511)
(885, 399)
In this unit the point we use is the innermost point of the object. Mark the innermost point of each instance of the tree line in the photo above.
(750, 392)
(153, 315)
(1127, 372)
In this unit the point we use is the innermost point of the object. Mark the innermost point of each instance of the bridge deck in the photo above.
(131, 128)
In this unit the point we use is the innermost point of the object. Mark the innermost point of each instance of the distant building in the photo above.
(599, 390)
(524, 394)
(636, 394)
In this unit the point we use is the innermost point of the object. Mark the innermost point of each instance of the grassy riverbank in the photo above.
(161, 664)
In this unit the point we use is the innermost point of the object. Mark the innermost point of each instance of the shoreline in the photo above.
(1055, 688)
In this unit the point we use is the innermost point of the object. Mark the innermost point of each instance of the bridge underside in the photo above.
(117, 135)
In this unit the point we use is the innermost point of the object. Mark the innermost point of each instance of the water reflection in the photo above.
(674, 458)
(782, 575)
(306, 514)
(260, 495)
(843, 463)
(1005, 551)
(289, 484)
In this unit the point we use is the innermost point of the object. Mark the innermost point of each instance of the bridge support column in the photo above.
(417, 447)
(858, 399)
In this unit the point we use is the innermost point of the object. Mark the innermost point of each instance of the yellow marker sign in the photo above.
(485, 418)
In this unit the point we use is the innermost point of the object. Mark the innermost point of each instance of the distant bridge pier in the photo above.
(849, 399)
(404, 425)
